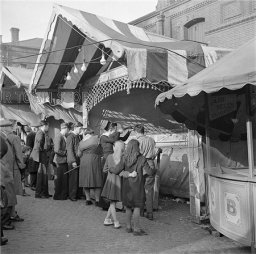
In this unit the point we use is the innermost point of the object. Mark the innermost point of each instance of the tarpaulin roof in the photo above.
(18, 76)
(19, 112)
(86, 36)
(224, 81)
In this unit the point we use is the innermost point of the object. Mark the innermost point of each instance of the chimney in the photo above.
(15, 34)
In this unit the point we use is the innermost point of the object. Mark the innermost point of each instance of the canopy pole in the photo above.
(251, 166)
(85, 109)
(208, 152)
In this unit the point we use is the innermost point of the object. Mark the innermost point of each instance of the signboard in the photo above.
(232, 208)
(13, 96)
(221, 105)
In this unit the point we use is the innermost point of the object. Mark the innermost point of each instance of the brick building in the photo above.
(11, 52)
(222, 23)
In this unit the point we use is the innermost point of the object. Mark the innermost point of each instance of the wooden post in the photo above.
(157, 184)
(194, 180)
(85, 111)
(208, 154)
(251, 167)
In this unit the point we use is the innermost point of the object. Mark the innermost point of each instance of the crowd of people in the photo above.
(103, 170)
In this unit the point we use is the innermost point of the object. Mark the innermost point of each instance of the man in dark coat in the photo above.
(60, 158)
(148, 150)
(14, 163)
(30, 137)
(40, 158)
(73, 140)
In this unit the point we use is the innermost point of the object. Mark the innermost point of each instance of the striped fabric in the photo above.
(151, 57)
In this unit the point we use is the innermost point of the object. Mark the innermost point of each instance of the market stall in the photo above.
(16, 102)
(111, 70)
(220, 104)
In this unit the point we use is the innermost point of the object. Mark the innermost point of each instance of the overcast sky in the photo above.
(32, 17)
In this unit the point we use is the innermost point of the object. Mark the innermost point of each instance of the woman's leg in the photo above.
(128, 213)
(108, 213)
(87, 194)
(136, 219)
(112, 209)
(97, 192)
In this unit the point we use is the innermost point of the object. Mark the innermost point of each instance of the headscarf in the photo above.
(132, 152)
(118, 151)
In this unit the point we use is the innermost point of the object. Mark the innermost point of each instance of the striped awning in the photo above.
(78, 37)
(220, 89)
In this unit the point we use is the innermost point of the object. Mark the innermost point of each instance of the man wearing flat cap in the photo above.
(73, 140)
(60, 158)
(40, 159)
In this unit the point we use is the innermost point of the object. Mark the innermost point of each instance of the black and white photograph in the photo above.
(128, 126)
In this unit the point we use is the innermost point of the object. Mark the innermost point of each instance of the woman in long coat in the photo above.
(90, 173)
(133, 193)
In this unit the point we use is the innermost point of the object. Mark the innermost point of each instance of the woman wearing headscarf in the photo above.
(107, 140)
(133, 194)
(90, 174)
(112, 187)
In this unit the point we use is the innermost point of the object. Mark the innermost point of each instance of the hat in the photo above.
(41, 123)
(5, 122)
(27, 128)
(105, 124)
(64, 125)
(88, 131)
(77, 124)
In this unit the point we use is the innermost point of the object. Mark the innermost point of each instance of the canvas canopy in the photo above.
(130, 52)
(224, 81)
(16, 101)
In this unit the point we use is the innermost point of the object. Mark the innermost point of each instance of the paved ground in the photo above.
(71, 227)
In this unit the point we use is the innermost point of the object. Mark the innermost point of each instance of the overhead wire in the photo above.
(111, 39)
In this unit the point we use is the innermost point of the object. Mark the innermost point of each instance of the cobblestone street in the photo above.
(71, 227)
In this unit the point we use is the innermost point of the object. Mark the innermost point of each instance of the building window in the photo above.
(194, 30)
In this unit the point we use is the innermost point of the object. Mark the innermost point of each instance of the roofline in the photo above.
(143, 18)
(155, 13)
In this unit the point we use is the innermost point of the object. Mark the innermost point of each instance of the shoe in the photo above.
(4, 241)
(129, 230)
(49, 195)
(97, 203)
(139, 233)
(88, 202)
(33, 188)
(108, 222)
(27, 185)
(24, 194)
(8, 227)
(149, 216)
(117, 225)
(41, 196)
(16, 218)
(73, 199)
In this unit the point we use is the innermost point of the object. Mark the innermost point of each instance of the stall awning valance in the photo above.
(86, 37)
